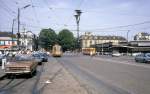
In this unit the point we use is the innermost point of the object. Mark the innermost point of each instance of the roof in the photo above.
(7, 38)
(103, 37)
(6, 34)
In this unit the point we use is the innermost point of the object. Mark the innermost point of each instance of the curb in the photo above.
(2, 74)
(2, 77)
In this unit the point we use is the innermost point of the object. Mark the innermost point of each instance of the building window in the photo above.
(90, 42)
(2, 43)
(8, 42)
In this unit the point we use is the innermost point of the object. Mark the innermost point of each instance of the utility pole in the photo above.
(77, 16)
(18, 34)
(12, 32)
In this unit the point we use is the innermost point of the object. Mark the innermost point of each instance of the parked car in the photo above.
(44, 56)
(116, 54)
(21, 64)
(143, 57)
(135, 54)
(38, 58)
(107, 53)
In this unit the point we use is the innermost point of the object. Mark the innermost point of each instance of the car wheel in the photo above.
(46, 60)
(148, 62)
(33, 73)
(144, 61)
(136, 60)
(40, 63)
(9, 76)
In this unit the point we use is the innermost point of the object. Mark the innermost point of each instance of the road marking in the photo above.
(121, 62)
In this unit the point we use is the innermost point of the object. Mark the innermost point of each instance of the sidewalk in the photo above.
(2, 74)
(57, 80)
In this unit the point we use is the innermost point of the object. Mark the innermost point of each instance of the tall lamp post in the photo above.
(18, 17)
(77, 16)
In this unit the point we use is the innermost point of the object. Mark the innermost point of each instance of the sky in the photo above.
(101, 17)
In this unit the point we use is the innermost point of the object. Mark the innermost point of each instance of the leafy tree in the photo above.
(47, 38)
(66, 39)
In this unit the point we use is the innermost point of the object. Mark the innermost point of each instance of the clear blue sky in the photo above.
(101, 17)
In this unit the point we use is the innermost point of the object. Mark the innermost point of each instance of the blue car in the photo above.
(44, 56)
(38, 58)
(143, 57)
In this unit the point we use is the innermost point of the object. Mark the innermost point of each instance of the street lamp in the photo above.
(18, 34)
(77, 16)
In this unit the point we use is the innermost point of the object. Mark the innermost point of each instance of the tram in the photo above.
(56, 51)
(89, 51)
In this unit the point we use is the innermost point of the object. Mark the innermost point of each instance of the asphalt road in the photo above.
(108, 75)
(21, 84)
(51, 78)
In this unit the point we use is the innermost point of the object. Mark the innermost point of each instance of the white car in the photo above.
(116, 54)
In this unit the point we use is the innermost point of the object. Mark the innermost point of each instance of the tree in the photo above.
(47, 38)
(66, 39)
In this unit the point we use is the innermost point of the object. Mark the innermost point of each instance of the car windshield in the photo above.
(36, 55)
(21, 58)
(43, 54)
(148, 54)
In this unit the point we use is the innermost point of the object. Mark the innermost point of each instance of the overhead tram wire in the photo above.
(9, 9)
(3, 3)
(35, 14)
(78, 7)
(80, 4)
(51, 9)
(9, 12)
(123, 26)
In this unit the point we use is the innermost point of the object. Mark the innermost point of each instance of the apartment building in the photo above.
(88, 40)
(6, 41)
(142, 36)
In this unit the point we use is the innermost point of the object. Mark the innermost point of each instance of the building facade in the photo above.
(27, 40)
(142, 36)
(7, 42)
(88, 40)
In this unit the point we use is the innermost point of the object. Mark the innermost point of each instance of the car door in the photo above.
(147, 57)
(140, 57)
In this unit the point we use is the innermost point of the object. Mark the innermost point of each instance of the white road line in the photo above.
(123, 62)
